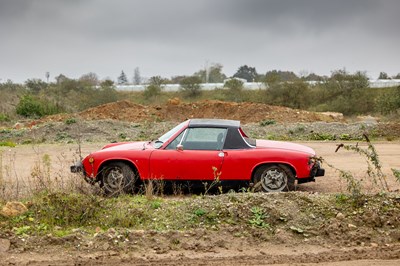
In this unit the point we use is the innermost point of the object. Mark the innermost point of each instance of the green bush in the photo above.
(30, 106)
(95, 97)
(7, 144)
(389, 101)
(191, 86)
(291, 94)
(4, 118)
(267, 122)
(152, 91)
(235, 90)
(70, 121)
(345, 93)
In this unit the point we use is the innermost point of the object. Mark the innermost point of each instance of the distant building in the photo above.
(378, 83)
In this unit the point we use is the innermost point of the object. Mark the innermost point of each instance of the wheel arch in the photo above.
(290, 166)
(131, 164)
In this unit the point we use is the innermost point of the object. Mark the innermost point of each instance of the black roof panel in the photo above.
(214, 123)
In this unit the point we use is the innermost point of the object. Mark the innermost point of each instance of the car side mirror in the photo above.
(179, 147)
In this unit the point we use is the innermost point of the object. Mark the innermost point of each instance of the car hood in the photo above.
(140, 145)
(271, 144)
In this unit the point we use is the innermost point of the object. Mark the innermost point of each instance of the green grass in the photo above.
(7, 144)
(4, 118)
(61, 213)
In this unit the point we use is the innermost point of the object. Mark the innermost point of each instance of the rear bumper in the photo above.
(77, 168)
(315, 171)
(320, 172)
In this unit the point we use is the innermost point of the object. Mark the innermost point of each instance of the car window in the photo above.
(170, 133)
(160, 141)
(204, 139)
(175, 142)
(250, 141)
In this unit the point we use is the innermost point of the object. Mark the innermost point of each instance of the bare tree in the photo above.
(137, 79)
(47, 76)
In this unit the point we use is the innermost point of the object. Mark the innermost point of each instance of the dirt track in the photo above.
(19, 163)
(22, 160)
(273, 254)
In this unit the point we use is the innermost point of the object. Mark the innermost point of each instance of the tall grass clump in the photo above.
(11, 184)
(2, 184)
(374, 172)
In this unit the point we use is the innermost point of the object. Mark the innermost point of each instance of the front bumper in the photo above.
(78, 168)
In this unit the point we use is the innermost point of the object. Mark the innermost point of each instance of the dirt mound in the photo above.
(121, 110)
(175, 110)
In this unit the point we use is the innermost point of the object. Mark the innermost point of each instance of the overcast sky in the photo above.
(179, 37)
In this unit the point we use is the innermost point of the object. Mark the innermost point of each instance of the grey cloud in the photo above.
(313, 15)
(178, 36)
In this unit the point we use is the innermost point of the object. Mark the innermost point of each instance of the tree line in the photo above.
(342, 91)
(214, 74)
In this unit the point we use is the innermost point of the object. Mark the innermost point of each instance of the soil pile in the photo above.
(175, 110)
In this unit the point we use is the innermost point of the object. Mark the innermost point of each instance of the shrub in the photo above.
(35, 85)
(267, 122)
(234, 84)
(4, 118)
(345, 93)
(30, 106)
(291, 94)
(191, 86)
(103, 95)
(235, 90)
(389, 101)
(152, 91)
(154, 88)
(70, 121)
(7, 144)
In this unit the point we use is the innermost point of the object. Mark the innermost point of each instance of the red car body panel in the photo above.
(239, 165)
(152, 162)
(184, 165)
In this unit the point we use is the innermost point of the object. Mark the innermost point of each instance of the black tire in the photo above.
(117, 178)
(274, 178)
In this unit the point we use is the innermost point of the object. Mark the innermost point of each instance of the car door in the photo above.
(194, 155)
(238, 164)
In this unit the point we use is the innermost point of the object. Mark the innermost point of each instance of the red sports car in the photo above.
(202, 150)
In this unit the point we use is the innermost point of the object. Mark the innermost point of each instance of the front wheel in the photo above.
(118, 178)
(274, 178)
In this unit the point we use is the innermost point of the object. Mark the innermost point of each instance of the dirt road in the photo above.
(22, 165)
(19, 164)
(281, 255)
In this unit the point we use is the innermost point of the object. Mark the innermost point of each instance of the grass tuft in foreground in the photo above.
(61, 214)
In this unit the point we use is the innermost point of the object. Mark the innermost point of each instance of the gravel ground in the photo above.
(114, 130)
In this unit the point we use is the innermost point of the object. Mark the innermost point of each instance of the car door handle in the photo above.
(221, 154)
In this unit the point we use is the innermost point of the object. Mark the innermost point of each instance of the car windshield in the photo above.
(158, 143)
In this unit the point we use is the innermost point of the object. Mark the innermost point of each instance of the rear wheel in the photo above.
(274, 178)
(118, 178)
